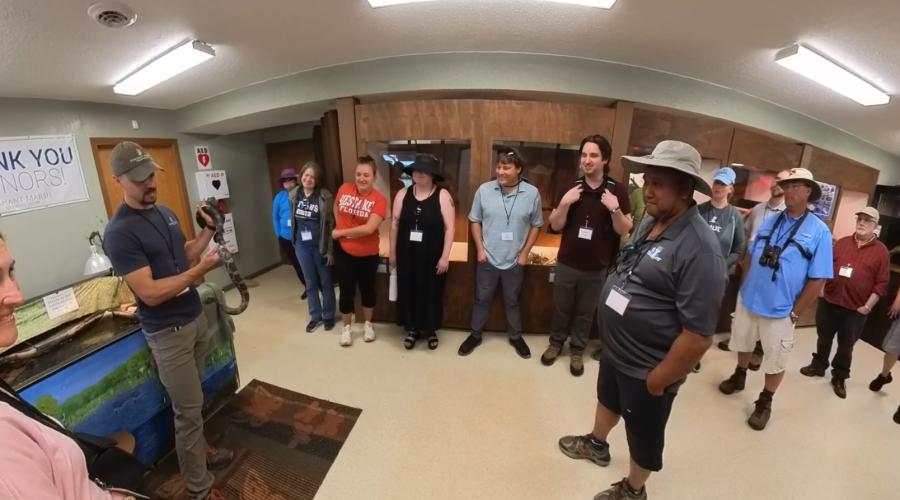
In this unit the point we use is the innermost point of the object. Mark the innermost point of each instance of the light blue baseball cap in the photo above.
(725, 176)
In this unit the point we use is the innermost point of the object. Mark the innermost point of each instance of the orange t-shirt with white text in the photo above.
(353, 210)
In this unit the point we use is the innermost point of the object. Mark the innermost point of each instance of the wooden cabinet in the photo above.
(764, 152)
(710, 136)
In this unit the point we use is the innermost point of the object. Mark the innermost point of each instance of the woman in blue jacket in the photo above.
(282, 218)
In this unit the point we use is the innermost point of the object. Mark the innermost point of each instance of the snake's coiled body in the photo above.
(212, 209)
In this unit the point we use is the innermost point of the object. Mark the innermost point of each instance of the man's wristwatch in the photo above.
(794, 317)
(615, 210)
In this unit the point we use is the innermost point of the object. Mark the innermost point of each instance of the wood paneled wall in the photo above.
(482, 122)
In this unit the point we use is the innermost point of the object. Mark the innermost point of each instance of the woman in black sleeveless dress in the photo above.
(421, 238)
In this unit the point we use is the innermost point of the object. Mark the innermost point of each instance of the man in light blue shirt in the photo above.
(787, 265)
(505, 220)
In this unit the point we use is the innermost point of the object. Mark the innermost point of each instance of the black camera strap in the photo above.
(790, 240)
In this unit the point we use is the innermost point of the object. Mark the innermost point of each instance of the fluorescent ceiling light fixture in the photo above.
(173, 62)
(603, 4)
(804, 61)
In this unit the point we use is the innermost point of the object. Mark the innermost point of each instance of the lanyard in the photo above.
(503, 201)
(168, 241)
(640, 249)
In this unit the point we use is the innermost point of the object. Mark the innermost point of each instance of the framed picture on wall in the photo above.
(824, 208)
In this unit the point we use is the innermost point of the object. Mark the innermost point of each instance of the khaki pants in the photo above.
(179, 353)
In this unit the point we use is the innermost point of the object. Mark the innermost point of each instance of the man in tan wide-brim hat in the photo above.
(659, 305)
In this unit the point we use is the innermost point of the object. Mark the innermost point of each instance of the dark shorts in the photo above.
(645, 415)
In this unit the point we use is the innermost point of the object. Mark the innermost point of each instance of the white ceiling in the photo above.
(51, 49)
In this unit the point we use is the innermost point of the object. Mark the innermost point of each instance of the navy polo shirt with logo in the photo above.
(676, 283)
(152, 238)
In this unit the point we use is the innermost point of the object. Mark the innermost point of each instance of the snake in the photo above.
(211, 208)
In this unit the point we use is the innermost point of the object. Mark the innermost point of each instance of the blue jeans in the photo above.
(318, 281)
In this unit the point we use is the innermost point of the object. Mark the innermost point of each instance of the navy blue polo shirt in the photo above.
(152, 238)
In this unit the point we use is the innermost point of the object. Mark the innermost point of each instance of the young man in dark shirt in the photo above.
(147, 247)
(659, 307)
(591, 216)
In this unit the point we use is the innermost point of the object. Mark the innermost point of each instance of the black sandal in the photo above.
(410, 341)
(433, 341)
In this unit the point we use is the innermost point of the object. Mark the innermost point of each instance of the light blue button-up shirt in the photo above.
(500, 214)
(775, 298)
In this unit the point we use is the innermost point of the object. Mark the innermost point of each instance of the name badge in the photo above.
(415, 236)
(506, 236)
(846, 271)
(618, 300)
(289, 222)
(305, 235)
(585, 233)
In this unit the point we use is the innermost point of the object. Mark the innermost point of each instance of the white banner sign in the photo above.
(38, 172)
(212, 184)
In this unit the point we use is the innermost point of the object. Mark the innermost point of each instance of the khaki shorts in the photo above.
(775, 335)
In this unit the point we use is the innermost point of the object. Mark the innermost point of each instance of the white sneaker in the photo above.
(369, 334)
(346, 338)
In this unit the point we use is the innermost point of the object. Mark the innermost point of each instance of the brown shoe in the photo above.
(550, 355)
(576, 365)
(218, 458)
(622, 491)
(761, 414)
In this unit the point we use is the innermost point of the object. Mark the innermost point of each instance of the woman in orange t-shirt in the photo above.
(358, 210)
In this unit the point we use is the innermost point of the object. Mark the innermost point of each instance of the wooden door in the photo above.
(289, 154)
(170, 187)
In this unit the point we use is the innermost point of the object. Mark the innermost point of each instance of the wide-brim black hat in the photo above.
(426, 164)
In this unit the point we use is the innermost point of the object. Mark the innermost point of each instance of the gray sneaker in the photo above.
(580, 447)
(622, 491)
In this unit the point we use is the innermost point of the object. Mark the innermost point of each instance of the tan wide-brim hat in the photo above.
(804, 175)
(675, 155)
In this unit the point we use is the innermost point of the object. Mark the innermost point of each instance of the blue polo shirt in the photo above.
(764, 296)
(500, 214)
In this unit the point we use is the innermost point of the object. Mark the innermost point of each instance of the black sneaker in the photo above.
(521, 347)
(696, 368)
(880, 382)
(760, 416)
(897, 415)
(723, 346)
(469, 345)
(312, 326)
(303, 295)
(585, 448)
(811, 370)
(329, 324)
(840, 388)
(734, 383)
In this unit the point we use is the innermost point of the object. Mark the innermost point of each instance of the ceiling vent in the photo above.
(112, 14)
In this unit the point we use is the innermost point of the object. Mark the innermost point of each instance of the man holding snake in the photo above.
(148, 248)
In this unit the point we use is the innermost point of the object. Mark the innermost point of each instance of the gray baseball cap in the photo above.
(131, 160)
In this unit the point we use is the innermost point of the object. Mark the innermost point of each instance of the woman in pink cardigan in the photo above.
(35, 460)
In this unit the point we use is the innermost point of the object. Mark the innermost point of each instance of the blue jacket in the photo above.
(282, 215)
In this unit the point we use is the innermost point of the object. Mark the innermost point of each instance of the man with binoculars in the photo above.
(787, 265)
